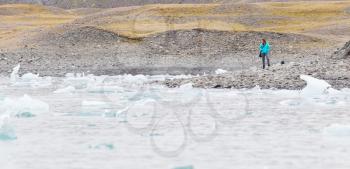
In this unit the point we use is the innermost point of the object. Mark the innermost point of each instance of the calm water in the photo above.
(83, 122)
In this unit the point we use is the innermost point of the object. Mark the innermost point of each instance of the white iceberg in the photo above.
(314, 87)
(6, 130)
(220, 71)
(14, 75)
(23, 107)
(186, 86)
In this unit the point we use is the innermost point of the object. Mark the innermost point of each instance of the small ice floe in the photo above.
(7, 132)
(185, 167)
(103, 146)
(68, 89)
(220, 71)
(337, 130)
(93, 103)
(80, 81)
(97, 108)
(23, 107)
(290, 102)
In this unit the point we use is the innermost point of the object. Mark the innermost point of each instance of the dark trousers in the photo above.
(264, 57)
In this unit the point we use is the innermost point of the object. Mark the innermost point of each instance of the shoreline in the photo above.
(236, 52)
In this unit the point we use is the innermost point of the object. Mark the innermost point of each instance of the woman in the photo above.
(264, 52)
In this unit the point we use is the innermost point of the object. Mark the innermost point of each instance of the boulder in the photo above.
(344, 52)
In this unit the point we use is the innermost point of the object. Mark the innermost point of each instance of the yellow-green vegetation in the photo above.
(136, 22)
(22, 18)
(183, 10)
(142, 28)
(152, 19)
(286, 17)
(307, 10)
(303, 16)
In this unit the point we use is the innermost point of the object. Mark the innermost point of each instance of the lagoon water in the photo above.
(88, 122)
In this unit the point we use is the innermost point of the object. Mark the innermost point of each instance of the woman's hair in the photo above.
(264, 40)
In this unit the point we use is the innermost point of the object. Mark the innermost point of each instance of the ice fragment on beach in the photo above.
(314, 87)
(14, 75)
(220, 71)
(29, 79)
(187, 86)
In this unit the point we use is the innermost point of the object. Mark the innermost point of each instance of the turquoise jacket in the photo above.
(265, 49)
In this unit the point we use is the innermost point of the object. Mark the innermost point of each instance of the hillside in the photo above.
(69, 4)
(102, 3)
(328, 20)
(167, 38)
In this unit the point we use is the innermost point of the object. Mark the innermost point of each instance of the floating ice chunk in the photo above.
(104, 88)
(337, 130)
(79, 81)
(24, 107)
(139, 114)
(29, 79)
(93, 103)
(67, 89)
(7, 133)
(106, 146)
(290, 102)
(185, 167)
(220, 71)
(6, 130)
(314, 87)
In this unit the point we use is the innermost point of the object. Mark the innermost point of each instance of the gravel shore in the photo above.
(277, 76)
(90, 50)
(333, 68)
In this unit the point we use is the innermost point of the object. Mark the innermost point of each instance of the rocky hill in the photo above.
(102, 3)
(69, 4)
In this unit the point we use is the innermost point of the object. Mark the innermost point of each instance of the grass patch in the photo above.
(303, 16)
(182, 10)
(142, 28)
